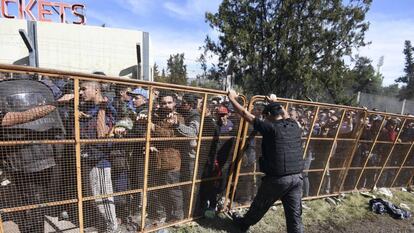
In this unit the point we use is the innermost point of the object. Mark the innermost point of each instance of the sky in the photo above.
(178, 26)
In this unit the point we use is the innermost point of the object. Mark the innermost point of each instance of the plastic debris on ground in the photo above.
(385, 191)
(381, 206)
(305, 207)
(367, 194)
(331, 201)
(404, 206)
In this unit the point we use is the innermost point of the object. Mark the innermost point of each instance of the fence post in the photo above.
(146, 160)
(390, 153)
(333, 147)
(403, 107)
(200, 135)
(402, 164)
(358, 97)
(235, 168)
(78, 154)
(315, 117)
(370, 151)
(353, 152)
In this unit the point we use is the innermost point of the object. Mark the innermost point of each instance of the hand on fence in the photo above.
(232, 94)
(172, 118)
(66, 98)
(153, 149)
(271, 98)
(120, 131)
(84, 115)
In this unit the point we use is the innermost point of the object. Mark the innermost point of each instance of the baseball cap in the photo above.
(223, 110)
(272, 108)
(139, 91)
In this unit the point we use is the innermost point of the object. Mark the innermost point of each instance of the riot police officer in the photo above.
(28, 112)
(281, 162)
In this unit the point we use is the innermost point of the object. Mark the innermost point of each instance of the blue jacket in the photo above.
(96, 153)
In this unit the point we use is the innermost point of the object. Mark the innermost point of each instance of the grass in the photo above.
(319, 216)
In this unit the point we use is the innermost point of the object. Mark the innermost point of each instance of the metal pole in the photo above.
(353, 152)
(78, 154)
(33, 55)
(403, 106)
(1, 225)
(315, 117)
(200, 134)
(390, 153)
(331, 151)
(240, 142)
(370, 151)
(402, 164)
(147, 155)
(359, 97)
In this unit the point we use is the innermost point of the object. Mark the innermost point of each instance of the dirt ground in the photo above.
(347, 214)
(377, 223)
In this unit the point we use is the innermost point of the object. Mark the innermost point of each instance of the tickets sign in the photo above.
(41, 10)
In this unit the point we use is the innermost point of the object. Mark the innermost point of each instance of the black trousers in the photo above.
(34, 188)
(289, 190)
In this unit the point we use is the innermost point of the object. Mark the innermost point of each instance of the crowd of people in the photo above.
(41, 108)
(355, 124)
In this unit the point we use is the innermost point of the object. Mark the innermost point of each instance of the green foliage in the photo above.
(407, 91)
(206, 83)
(293, 48)
(210, 77)
(391, 90)
(177, 70)
(364, 78)
(157, 76)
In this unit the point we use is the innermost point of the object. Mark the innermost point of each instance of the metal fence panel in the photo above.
(169, 153)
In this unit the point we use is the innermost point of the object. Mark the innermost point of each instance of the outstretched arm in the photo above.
(239, 109)
(15, 118)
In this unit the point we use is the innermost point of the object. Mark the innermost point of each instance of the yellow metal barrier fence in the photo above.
(345, 148)
(139, 164)
(120, 155)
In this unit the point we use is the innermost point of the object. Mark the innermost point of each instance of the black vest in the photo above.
(282, 151)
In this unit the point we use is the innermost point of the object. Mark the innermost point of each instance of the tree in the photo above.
(392, 90)
(210, 76)
(293, 48)
(407, 91)
(363, 77)
(177, 70)
(157, 76)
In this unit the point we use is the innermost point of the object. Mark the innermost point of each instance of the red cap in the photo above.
(222, 110)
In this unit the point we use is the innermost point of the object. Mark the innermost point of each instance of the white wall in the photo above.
(12, 47)
(76, 47)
